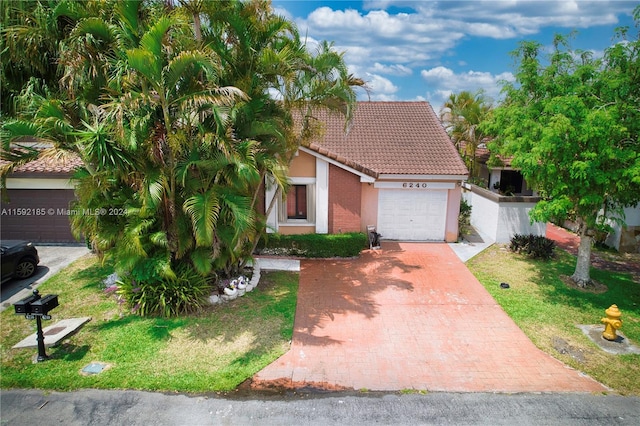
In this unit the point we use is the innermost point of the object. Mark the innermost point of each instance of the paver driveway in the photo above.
(409, 316)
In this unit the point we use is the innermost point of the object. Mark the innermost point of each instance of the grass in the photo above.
(548, 311)
(224, 345)
(215, 350)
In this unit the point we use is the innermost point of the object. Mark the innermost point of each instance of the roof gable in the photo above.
(390, 138)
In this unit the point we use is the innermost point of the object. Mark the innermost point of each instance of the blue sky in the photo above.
(425, 50)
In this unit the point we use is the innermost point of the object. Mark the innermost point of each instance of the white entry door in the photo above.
(412, 214)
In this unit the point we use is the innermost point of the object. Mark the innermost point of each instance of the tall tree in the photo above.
(571, 124)
(173, 112)
(462, 115)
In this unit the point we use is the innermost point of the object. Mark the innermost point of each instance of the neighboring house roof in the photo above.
(390, 138)
(483, 154)
(48, 165)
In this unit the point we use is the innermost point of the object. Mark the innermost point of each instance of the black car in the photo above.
(19, 259)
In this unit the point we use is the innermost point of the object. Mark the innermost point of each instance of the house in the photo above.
(38, 201)
(626, 238)
(506, 212)
(500, 199)
(502, 178)
(394, 168)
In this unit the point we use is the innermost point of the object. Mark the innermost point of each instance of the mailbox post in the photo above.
(37, 307)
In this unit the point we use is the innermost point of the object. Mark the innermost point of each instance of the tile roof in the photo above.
(384, 138)
(48, 165)
(483, 154)
(390, 138)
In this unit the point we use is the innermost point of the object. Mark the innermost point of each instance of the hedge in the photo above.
(314, 245)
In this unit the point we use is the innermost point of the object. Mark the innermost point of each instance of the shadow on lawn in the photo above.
(70, 352)
(621, 288)
(157, 328)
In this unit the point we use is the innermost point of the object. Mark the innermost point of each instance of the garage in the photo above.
(38, 215)
(412, 214)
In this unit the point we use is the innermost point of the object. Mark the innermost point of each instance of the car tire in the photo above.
(25, 268)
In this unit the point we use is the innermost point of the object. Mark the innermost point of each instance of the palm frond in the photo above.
(146, 64)
(192, 61)
(204, 210)
(94, 26)
(129, 11)
(202, 260)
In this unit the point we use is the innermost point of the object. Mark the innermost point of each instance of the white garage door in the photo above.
(412, 215)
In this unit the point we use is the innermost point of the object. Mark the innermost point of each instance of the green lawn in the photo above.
(215, 350)
(548, 311)
(224, 345)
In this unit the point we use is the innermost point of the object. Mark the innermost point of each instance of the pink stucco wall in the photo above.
(344, 201)
(453, 211)
(369, 203)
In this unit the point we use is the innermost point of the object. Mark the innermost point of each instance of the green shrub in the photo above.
(464, 218)
(534, 246)
(167, 297)
(314, 245)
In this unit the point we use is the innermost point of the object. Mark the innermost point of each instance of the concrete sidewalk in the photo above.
(471, 245)
(409, 316)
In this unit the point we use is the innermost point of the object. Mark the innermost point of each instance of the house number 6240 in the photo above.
(415, 185)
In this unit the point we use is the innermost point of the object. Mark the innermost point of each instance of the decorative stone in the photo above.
(214, 299)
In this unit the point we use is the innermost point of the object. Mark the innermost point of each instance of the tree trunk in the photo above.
(582, 276)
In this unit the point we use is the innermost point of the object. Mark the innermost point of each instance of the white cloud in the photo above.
(384, 4)
(380, 88)
(395, 69)
(428, 30)
(281, 11)
(442, 81)
(378, 36)
(387, 40)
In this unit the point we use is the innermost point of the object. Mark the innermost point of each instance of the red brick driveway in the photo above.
(409, 316)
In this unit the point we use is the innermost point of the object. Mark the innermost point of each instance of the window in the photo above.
(297, 202)
(298, 206)
(511, 182)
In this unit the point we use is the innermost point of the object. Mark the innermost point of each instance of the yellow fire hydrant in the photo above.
(612, 322)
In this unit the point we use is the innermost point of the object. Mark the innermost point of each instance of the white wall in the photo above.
(631, 218)
(498, 217)
(632, 215)
(484, 214)
(514, 219)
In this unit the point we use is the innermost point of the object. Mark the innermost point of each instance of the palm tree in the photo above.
(262, 54)
(177, 131)
(29, 47)
(461, 115)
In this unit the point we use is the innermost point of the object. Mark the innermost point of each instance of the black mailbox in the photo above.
(24, 306)
(43, 305)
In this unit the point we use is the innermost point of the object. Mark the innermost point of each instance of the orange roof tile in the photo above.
(391, 138)
(383, 138)
(53, 165)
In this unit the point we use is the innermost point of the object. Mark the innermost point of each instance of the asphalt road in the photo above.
(52, 260)
(97, 407)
